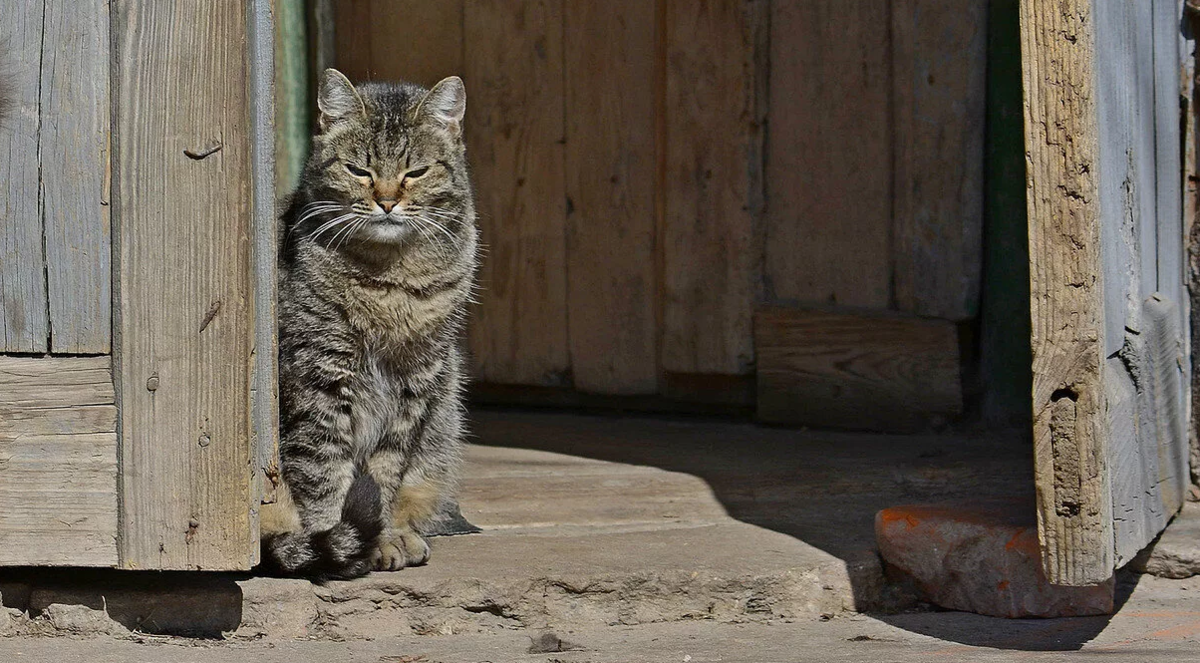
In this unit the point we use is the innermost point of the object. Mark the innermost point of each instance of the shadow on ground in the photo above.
(823, 488)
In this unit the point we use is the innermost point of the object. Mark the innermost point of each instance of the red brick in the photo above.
(981, 558)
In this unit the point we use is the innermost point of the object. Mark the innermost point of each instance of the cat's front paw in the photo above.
(398, 549)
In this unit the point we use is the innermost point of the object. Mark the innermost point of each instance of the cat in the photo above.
(378, 259)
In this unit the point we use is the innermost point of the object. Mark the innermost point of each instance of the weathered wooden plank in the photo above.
(829, 154)
(43, 383)
(73, 145)
(1125, 102)
(184, 288)
(1066, 303)
(58, 462)
(24, 321)
(939, 66)
(1125, 172)
(1141, 229)
(610, 174)
(716, 50)
(1168, 157)
(264, 390)
(514, 129)
(863, 371)
(413, 40)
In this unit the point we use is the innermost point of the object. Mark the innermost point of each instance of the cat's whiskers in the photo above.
(313, 210)
(347, 230)
(330, 224)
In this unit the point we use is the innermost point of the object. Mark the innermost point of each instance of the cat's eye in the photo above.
(356, 171)
(414, 174)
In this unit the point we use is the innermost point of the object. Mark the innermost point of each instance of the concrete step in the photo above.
(588, 522)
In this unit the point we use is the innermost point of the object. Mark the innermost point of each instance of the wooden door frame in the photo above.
(1086, 418)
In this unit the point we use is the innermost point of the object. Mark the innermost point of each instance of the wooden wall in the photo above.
(136, 168)
(652, 172)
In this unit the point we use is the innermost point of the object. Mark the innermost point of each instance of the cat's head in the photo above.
(388, 164)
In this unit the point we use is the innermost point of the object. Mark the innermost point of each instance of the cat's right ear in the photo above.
(337, 99)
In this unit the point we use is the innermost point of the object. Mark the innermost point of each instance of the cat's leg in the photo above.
(317, 454)
(416, 469)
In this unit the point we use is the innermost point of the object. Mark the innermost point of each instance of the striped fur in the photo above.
(372, 306)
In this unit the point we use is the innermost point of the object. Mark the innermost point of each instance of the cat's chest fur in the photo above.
(374, 397)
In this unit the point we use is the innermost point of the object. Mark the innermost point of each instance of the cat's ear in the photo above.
(338, 100)
(446, 104)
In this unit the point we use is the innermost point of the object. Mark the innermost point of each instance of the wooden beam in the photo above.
(1067, 301)
(58, 462)
(711, 237)
(939, 67)
(611, 166)
(514, 129)
(184, 213)
(863, 371)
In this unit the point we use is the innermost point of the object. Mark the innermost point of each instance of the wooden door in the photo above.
(134, 178)
(1109, 308)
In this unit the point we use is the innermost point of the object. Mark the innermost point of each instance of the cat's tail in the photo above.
(343, 551)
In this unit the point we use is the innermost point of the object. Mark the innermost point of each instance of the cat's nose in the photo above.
(387, 205)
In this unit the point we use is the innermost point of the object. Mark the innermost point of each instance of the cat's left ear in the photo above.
(337, 99)
(446, 104)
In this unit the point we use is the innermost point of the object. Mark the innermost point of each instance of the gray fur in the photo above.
(371, 309)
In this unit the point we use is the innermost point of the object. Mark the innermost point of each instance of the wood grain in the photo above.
(24, 320)
(264, 389)
(1075, 519)
(829, 154)
(715, 112)
(939, 65)
(860, 371)
(73, 145)
(388, 40)
(58, 462)
(514, 129)
(610, 175)
(183, 247)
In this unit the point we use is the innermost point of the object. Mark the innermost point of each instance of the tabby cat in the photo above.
(378, 256)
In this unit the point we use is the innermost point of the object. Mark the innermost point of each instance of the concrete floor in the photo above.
(640, 539)
(1160, 621)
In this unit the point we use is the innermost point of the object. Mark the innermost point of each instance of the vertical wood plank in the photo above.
(1173, 370)
(829, 154)
(184, 286)
(24, 319)
(412, 40)
(73, 144)
(1141, 231)
(714, 189)
(1169, 161)
(1125, 174)
(1066, 305)
(264, 390)
(514, 128)
(610, 175)
(939, 58)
